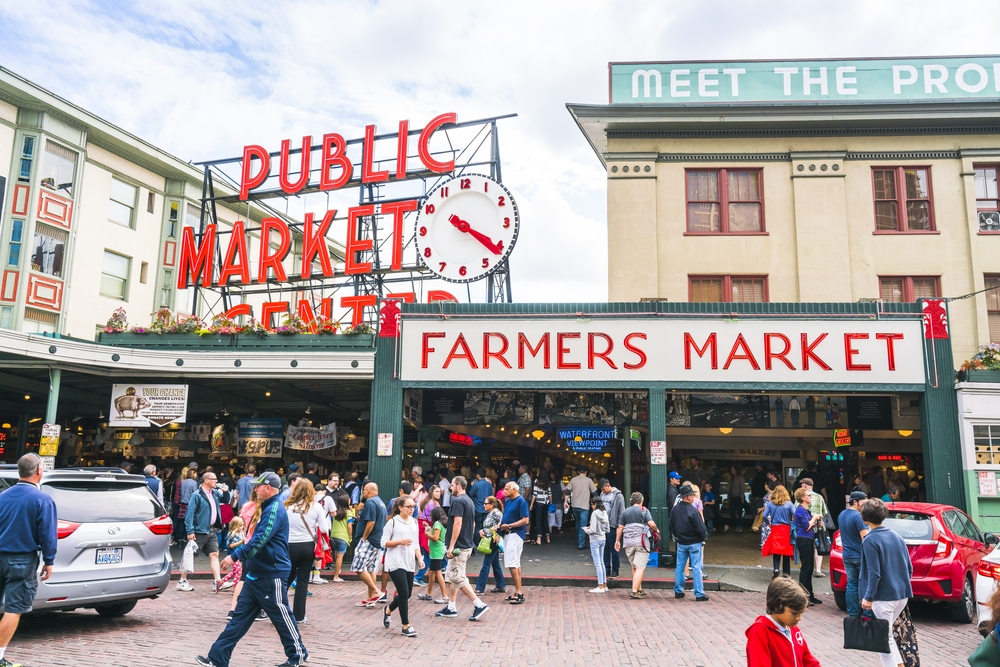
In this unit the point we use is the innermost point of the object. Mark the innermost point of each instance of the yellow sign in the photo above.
(50, 440)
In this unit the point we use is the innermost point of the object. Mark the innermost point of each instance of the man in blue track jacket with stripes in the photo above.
(266, 564)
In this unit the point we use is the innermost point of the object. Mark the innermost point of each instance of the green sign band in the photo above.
(897, 79)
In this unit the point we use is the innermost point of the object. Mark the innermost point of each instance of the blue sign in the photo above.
(586, 438)
(261, 438)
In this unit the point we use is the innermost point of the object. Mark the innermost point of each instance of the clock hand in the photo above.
(463, 226)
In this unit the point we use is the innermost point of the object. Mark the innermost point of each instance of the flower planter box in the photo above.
(975, 375)
(306, 341)
(177, 341)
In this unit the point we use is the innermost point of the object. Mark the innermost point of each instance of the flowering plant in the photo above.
(187, 325)
(117, 323)
(221, 325)
(326, 326)
(141, 330)
(254, 328)
(291, 325)
(988, 358)
(363, 328)
(161, 320)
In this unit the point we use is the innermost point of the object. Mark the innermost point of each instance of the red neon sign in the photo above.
(889, 457)
(460, 438)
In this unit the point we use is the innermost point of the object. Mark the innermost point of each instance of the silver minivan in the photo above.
(114, 538)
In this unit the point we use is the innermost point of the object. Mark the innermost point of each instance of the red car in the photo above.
(945, 548)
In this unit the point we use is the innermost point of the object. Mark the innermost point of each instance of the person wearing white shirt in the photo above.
(445, 485)
(305, 518)
(401, 542)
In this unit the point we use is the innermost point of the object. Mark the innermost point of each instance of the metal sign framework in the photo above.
(473, 145)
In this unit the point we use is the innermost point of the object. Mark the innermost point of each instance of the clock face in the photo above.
(466, 228)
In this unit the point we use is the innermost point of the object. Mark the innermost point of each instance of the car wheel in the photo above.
(840, 597)
(964, 611)
(116, 610)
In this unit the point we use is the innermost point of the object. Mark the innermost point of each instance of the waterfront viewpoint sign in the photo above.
(861, 80)
(589, 350)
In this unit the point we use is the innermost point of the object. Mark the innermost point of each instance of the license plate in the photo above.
(109, 556)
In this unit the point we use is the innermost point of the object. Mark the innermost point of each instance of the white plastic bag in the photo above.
(187, 558)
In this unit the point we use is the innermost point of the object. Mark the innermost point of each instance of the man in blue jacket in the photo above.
(27, 526)
(267, 566)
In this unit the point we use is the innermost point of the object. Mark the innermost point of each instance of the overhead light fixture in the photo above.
(136, 439)
(539, 434)
(578, 439)
(607, 456)
(101, 415)
(5, 426)
(36, 419)
(27, 397)
(726, 430)
(267, 393)
(225, 412)
(905, 434)
(308, 409)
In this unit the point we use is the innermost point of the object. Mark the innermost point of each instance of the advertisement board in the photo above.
(310, 439)
(148, 405)
(260, 438)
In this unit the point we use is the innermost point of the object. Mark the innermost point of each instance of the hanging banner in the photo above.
(260, 438)
(49, 445)
(148, 405)
(311, 439)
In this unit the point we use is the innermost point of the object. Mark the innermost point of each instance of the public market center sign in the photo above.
(870, 79)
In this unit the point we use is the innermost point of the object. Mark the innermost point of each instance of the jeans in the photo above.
(540, 516)
(612, 559)
(783, 562)
(686, 552)
(491, 559)
(427, 564)
(736, 510)
(581, 516)
(852, 568)
(480, 517)
(597, 553)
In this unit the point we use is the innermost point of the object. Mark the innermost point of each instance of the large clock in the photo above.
(466, 228)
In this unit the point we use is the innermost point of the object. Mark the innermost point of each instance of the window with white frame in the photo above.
(121, 206)
(986, 438)
(114, 275)
(58, 169)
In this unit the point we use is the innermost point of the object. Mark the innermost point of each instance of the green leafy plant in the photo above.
(254, 328)
(291, 325)
(326, 326)
(363, 328)
(185, 325)
(988, 358)
(117, 323)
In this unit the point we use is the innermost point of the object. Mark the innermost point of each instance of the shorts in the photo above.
(455, 574)
(437, 564)
(338, 546)
(18, 581)
(638, 556)
(513, 545)
(366, 557)
(208, 543)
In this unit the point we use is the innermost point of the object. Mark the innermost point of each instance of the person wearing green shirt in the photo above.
(340, 530)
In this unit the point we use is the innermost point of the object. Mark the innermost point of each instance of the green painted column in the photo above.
(939, 427)
(386, 417)
(658, 480)
(55, 378)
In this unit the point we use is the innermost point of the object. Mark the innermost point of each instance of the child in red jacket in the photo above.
(774, 640)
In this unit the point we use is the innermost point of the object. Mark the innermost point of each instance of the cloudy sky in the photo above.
(202, 79)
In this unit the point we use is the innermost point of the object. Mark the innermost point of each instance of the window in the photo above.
(27, 155)
(39, 321)
(728, 289)
(986, 439)
(168, 277)
(121, 208)
(905, 289)
(143, 272)
(6, 315)
(14, 255)
(48, 250)
(150, 202)
(114, 276)
(172, 222)
(903, 199)
(58, 169)
(735, 208)
(185, 297)
(993, 307)
(987, 199)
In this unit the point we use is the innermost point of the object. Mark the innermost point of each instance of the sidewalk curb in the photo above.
(623, 582)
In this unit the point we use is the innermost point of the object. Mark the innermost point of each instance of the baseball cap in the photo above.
(674, 475)
(268, 479)
(193, 464)
(858, 495)
(292, 467)
(686, 491)
(125, 464)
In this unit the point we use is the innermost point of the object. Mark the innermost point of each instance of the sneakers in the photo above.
(419, 582)
(441, 601)
(422, 596)
(409, 632)
(182, 585)
(230, 615)
(318, 580)
(383, 597)
(725, 528)
(385, 618)
(703, 598)
(201, 660)
(815, 601)
(819, 574)
(478, 613)
(446, 613)
(226, 585)
(261, 616)
(4, 662)
(217, 585)
(598, 590)
(305, 619)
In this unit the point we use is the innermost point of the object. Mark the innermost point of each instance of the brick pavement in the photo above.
(557, 626)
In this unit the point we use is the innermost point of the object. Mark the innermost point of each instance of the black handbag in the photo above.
(866, 633)
(822, 542)
(828, 522)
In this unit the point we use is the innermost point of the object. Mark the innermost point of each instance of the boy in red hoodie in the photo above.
(775, 640)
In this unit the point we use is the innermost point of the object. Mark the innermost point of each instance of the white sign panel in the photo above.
(311, 439)
(658, 452)
(793, 351)
(48, 462)
(134, 405)
(987, 483)
(384, 444)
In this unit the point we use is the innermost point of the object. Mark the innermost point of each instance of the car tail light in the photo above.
(989, 570)
(160, 526)
(65, 528)
(943, 547)
(838, 545)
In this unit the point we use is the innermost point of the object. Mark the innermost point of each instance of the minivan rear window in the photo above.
(100, 502)
(910, 526)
